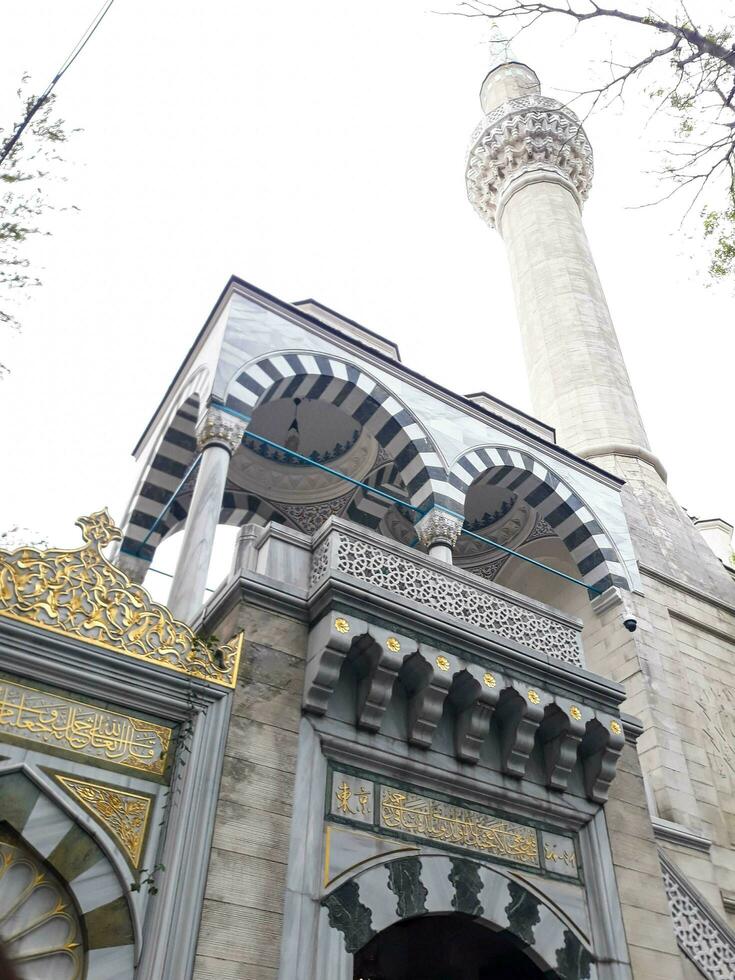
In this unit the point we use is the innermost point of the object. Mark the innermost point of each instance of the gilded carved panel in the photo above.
(80, 594)
(122, 813)
(42, 718)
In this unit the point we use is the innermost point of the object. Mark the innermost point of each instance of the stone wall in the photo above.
(240, 933)
(649, 930)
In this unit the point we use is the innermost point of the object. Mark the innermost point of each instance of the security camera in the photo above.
(630, 624)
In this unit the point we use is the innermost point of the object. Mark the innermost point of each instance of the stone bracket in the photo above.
(378, 663)
(475, 695)
(599, 752)
(519, 716)
(329, 643)
(427, 676)
(560, 735)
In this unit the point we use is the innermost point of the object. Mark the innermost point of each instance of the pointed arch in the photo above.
(428, 884)
(52, 837)
(307, 375)
(555, 501)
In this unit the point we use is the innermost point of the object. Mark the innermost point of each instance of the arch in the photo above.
(383, 894)
(164, 470)
(555, 501)
(79, 862)
(308, 375)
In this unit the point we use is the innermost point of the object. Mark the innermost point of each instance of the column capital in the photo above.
(219, 428)
(529, 135)
(439, 527)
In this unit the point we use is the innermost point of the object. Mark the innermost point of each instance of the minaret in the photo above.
(528, 172)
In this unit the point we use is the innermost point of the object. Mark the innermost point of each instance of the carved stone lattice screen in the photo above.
(708, 943)
(449, 592)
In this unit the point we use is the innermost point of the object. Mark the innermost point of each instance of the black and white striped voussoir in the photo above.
(554, 501)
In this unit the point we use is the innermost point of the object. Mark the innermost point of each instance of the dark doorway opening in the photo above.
(443, 947)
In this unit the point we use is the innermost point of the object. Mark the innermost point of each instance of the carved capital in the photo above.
(219, 428)
(523, 136)
(439, 527)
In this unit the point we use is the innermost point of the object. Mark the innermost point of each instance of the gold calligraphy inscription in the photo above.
(122, 813)
(568, 857)
(81, 594)
(448, 824)
(56, 722)
(344, 796)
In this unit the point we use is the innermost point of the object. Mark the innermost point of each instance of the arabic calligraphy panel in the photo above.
(44, 718)
(445, 823)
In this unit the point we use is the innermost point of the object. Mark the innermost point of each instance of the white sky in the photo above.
(315, 148)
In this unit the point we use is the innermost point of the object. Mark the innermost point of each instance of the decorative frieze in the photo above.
(444, 823)
(41, 718)
(405, 813)
(384, 662)
(451, 591)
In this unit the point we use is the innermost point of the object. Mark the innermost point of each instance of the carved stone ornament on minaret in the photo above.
(528, 172)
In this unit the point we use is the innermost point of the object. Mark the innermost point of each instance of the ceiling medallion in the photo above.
(80, 594)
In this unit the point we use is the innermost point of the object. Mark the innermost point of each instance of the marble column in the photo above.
(218, 437)
(438, 531)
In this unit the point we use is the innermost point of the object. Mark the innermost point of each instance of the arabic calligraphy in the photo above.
(79, 593)
(424, 817)
(57, 722)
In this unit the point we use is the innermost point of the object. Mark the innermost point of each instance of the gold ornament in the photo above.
(55, 722)
(122, 813)
(80, 593)
(575, 712)
(342, 626)
(442, 663)
(489, 680)
(615, 728)
(533, 697)
(393, 644)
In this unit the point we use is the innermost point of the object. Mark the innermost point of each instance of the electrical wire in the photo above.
(66, 65)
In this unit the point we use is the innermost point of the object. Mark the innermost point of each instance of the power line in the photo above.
(66, 65)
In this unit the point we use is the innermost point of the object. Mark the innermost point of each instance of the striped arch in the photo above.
(368, 508)
(89, 876)
(238, 507)
(430, 884)
(317, 376)
(554, 501)
(163, 473)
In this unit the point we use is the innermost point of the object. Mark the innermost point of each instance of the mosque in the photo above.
(462, 708)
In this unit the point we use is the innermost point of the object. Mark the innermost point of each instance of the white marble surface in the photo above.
(190, 578)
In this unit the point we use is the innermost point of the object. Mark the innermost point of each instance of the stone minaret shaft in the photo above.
(529, 169)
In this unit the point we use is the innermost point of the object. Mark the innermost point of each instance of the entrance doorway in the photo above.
(443, 947)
